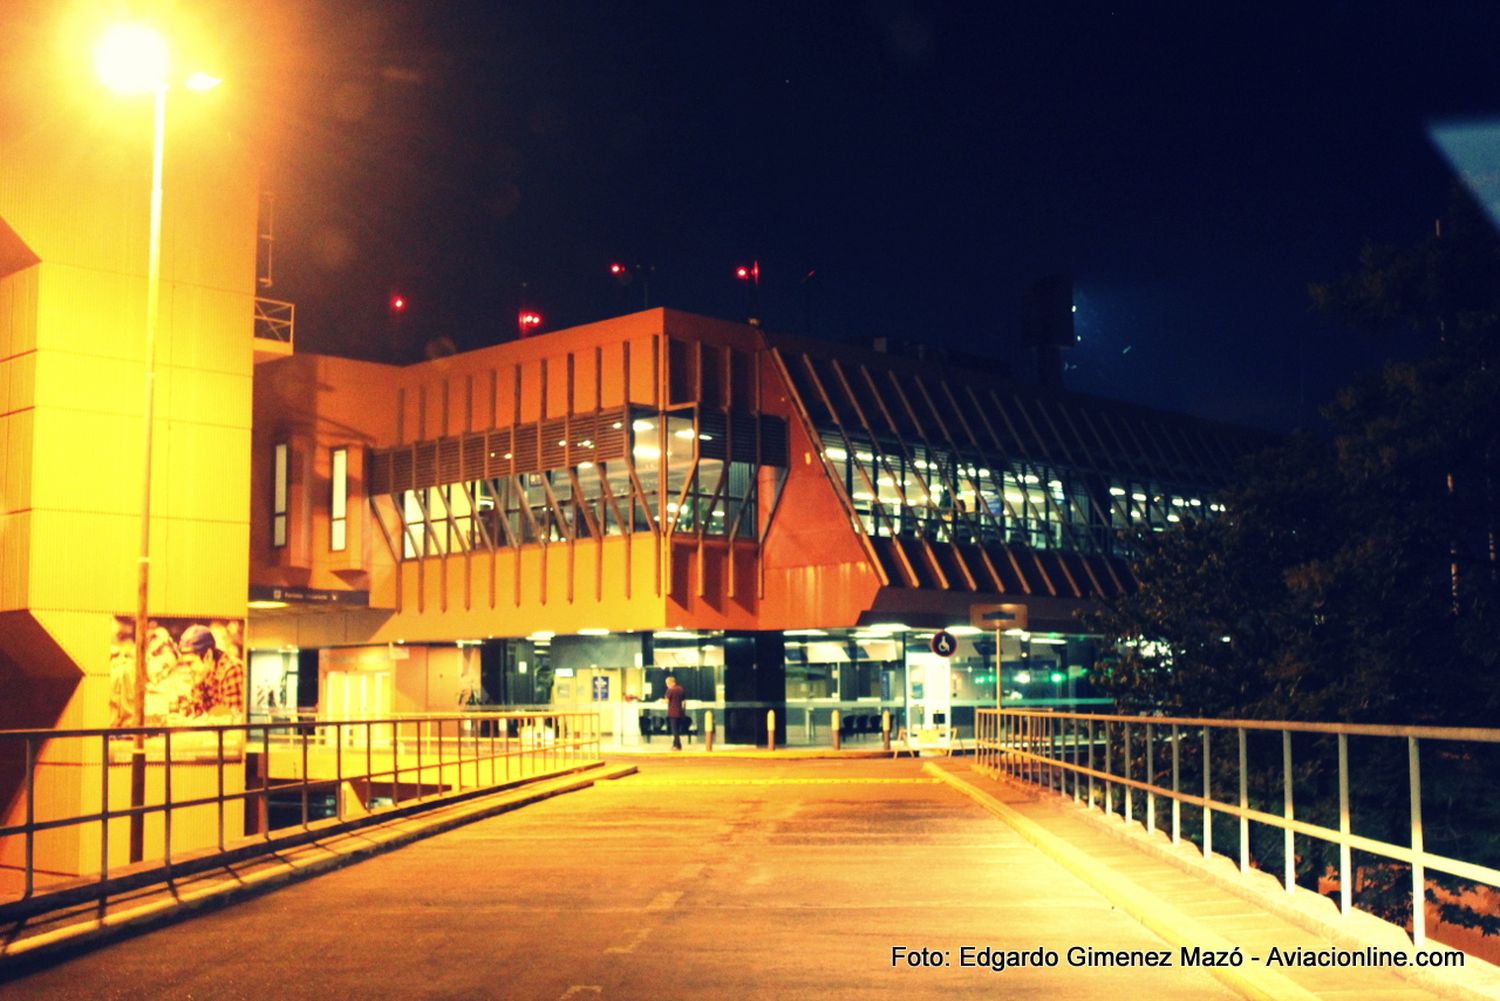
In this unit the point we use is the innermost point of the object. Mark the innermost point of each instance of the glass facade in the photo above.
(913, 491)
(685, 471)
(860, 672)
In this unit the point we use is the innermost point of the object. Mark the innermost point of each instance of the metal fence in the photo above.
(251, 787)
(1121, 763)
(274, 319)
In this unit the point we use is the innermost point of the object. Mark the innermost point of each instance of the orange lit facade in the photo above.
(565, 519)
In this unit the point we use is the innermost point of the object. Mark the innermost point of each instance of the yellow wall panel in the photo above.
(91, 311)
(203, 569)
(79, 189)
(15, 558)
(206, 473)
(89, 462)
(18, 373)
(16, 431)
(89, 382)
(106, 545)
(85, 637)
(205, 328)
(18, 312)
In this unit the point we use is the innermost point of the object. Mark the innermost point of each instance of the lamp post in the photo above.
(132, 60)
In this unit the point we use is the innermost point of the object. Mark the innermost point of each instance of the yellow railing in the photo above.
(221, 784)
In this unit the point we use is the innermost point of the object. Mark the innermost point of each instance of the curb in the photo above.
(18, 958)
(1171, 924)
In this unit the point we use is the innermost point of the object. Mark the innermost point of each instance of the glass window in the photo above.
(280, 464)
(338, 478)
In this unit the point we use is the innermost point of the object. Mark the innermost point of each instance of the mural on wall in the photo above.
(195, 671)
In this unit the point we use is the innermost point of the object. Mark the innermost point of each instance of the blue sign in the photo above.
(943, 643)
(601, 688)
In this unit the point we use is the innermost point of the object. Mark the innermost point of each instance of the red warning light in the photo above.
(742, 273)
(528, 320)
(750, 273)
(398, 303)
(617, 269)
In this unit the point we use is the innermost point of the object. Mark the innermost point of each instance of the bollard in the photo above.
(885, 730)
(708, 731)
(770, 729)
(836, 729)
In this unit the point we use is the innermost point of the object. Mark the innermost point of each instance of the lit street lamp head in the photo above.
(132, 59)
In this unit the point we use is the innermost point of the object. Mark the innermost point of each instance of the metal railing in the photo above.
(210, 777)
(1114, 763)
(274, 320)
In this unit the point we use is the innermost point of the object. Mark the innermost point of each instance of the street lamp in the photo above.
(132, 60)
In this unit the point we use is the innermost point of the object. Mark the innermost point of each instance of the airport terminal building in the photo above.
(782, 523)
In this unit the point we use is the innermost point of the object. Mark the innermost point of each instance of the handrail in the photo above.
(274, 319)
(1487, 735)
(384, 755)
(1061, 751)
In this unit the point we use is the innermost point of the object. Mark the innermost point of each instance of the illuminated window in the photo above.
(338, 501)
(280, 464)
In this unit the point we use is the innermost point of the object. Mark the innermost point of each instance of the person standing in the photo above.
(676, 714)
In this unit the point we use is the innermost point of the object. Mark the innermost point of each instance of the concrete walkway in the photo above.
(724, 879)
(1210, 905)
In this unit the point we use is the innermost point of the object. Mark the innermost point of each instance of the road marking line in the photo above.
(664, 901)
(577, 989)
(632, 945)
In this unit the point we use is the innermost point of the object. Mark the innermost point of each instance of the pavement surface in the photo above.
(692, 879)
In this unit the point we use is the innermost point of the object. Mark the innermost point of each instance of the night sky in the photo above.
(1194, 166)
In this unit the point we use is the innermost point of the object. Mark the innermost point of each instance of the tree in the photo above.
(1353, 575)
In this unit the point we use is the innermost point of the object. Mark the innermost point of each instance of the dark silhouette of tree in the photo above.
(1353, 576)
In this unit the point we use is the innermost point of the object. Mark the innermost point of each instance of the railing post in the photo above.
(369, 764)
(1290, 838)
(708, 731)
(1208, 813)
(1125, 789)
(835, 725)
(303, 730)
(338, 770)
(1075, 730)
(265, 783)
(1176, 785)
(885, 729)
(1054, 755)
(30, 817)
(1091, 764)
(421, 784)
(1346, 853)
(1244, 805)
(395, 763)
(220, 761)
(1109, 771)
(770, 729)
(103, 807)
(166, 780)
(1150, 774)
(1418, 866)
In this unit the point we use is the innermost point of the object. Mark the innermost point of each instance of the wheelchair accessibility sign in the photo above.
(943, 643)
(601, 688)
